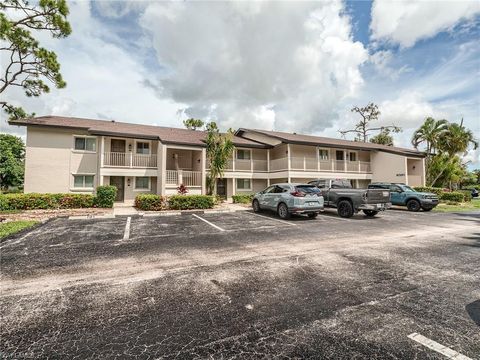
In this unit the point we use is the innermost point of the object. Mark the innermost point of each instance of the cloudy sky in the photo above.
(289, 66)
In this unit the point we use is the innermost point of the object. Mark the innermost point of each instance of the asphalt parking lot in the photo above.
(244, 285)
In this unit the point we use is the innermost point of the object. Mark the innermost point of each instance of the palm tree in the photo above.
(455, 140)
(219, 149)
(429, 133)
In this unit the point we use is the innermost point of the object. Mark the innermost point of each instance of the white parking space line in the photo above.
(208, 222)
(126, 234)
(449, 353)
(273, 219)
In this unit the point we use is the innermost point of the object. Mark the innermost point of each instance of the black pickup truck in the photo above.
(339, 194)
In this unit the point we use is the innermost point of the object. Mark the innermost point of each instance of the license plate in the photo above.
(379, 205)
(312, 203)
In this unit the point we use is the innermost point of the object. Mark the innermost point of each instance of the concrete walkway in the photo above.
(122, 209)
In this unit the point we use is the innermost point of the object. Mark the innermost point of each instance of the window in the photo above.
(243, 154)
(279, 190)
(142, 183)
(244, 184)
(85, 143)
(323, 154)
(143, 148)
(83, 181)
(352, 156)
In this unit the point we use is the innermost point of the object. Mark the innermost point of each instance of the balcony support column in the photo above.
(162, 168)
(268, 160)
(204, 172)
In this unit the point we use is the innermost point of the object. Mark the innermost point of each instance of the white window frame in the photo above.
(243, 189)
(83, 187)
(85, 150)
(356, 156)
(328, 154)
(143, 141)
(142, 189)
(249, 150)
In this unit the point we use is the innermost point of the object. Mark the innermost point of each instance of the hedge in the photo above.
(434, 190)
(105, 196)
(455, 196)
(185, 202)
(33, 201)
(242, 199)
(467, 195)
(150, 202)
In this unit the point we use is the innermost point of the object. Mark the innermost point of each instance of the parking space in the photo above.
(244, 284)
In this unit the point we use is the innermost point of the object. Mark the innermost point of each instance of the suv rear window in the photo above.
(307, 189)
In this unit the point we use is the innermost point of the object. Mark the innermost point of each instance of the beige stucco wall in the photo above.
(388, 167)
(278, 152)
(303, 151)
(51, 162)
(130, 144)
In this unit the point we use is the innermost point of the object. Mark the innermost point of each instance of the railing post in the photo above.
(359, 166)
(251, 163)
(180, 177)
(131, 159)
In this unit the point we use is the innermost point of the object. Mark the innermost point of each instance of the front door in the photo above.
(222, 187)
(117, 147)
(119, 183)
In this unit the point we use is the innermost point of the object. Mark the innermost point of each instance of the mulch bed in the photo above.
(41, 215)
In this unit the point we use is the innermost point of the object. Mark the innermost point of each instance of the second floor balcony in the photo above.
(129, 160)
(309, 164)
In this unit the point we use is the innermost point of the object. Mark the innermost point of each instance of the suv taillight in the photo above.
(297, 194)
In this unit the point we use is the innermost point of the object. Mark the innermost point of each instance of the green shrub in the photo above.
(105, 196)
(34, 201)
(4, 203)
(467, 195)
(150, 202)
(186, 202)
(242, 199)
(434, 190)
(455, 196)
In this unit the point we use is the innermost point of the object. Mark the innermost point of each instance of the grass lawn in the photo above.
(469, 206)
(11, 227)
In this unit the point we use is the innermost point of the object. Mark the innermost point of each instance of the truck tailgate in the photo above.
(377, 196)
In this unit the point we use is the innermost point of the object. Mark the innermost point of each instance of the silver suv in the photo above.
(287, 199)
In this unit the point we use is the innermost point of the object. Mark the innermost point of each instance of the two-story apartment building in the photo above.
(77, 155)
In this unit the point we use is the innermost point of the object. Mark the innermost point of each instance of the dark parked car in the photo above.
(339, 194)
(404, 195)
(473, 191)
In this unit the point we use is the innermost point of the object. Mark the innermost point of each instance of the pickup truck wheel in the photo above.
(283, 211)
(370, 213)
(345, 209)
(312, 215)
(413, 205)
(256, 206)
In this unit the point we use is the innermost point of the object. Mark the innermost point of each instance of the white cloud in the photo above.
(257, 64)
(406, 22)
(409, 110)
(103, 79)
(382, 60)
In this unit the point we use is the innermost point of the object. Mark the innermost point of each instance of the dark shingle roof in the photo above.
(167, 135)
(330, 142)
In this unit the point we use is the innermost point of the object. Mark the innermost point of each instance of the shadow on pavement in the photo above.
(473, 310)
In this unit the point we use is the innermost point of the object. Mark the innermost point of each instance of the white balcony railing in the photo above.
(130, 160)
(312, 164)
(185, 177)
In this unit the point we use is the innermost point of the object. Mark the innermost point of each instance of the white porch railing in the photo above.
(312, 164)
(130, 160)
(185, 177)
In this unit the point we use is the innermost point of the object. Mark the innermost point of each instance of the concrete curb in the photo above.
(157, 214)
